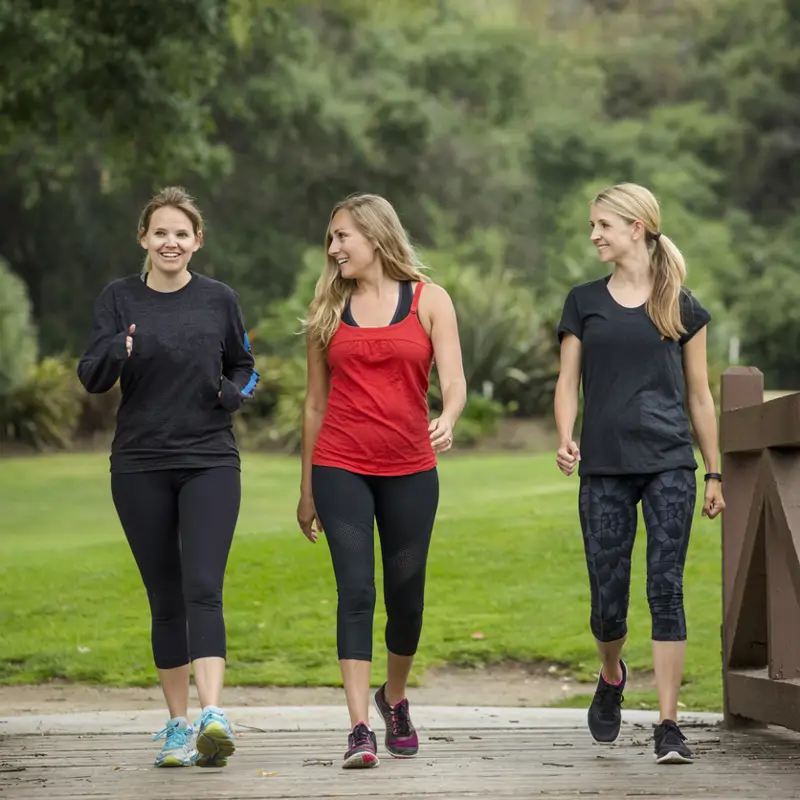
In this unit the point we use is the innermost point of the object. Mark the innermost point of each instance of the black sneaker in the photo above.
(362, 747)
(605, 716)
(670, 747)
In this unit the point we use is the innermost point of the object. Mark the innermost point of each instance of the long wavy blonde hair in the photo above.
(377, 220)
(174, 197)
(633, 202)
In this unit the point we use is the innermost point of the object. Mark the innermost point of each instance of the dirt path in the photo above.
(503, 685)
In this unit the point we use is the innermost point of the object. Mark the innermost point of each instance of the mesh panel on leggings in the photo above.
(351, 537)
(401, 566)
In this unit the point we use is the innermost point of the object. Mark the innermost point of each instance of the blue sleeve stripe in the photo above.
(251, 384)
(254, 376)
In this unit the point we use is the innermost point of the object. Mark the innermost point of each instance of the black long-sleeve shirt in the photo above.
(188, 347)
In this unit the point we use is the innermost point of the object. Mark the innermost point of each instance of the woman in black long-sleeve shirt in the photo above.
(176, 342)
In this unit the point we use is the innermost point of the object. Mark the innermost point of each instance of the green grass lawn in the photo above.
(506, 561)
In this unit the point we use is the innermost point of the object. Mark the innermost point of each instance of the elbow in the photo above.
(456, 387)
(566, 390)
(90, 383)
(315, 406)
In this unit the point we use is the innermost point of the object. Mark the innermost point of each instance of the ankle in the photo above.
(612, 675)
(392, 696)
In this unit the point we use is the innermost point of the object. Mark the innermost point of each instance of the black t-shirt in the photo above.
(634, 415)
(188, 346)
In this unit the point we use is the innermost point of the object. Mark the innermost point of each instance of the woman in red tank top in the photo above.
(373, 331)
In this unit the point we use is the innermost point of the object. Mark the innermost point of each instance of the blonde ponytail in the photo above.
(669, 273)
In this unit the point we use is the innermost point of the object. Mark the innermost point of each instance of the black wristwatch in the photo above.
(713, 476)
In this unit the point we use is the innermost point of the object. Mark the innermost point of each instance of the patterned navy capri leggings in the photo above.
(607, 505)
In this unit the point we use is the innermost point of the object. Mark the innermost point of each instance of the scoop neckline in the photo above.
(616, 302)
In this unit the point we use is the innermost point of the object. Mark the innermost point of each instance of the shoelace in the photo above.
(608, 699)
(176, 737)
(360, 735)
(671, 735)
(209, 716)
(401, 719)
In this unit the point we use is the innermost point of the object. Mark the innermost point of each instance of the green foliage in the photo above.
(18, 348)
(506, 346)
(479, 419)
(469, 116)
(106, 83)
(43, 411)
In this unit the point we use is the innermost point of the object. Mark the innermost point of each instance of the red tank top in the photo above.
(376, 419)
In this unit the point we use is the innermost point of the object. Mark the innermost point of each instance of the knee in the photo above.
(667, 614)
(608, 629)
(202, 591)
(404, 607)
(357, 600)
(166, 603)
(609, 617)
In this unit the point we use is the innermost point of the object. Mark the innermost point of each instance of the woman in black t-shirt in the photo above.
(636, 340)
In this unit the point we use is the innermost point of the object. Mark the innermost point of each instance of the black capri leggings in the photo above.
(608, 516)
(179, 524)
(404, 507)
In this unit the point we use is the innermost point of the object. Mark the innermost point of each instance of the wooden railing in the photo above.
(760, 445)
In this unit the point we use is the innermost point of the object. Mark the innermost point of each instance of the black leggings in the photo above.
(404, 507)
(608, 516)
(179, 524)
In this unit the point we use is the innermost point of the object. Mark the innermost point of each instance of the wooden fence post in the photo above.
(740, 387)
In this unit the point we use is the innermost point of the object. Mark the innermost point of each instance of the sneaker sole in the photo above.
(173, 761)
(214, 746)
(361, 761)
(673, 758)
(386, 738)
(602, 741)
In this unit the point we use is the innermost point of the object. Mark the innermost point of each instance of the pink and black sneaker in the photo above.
(401, 736)
(361, 748)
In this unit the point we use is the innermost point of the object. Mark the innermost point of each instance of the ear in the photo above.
(142, 232)
(198, 241)
(639, 230)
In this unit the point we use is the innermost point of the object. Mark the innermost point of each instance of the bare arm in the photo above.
(317, 388)
(700, 403)
(447, 354)
(569, 379)
(703, 416)
(566, 402)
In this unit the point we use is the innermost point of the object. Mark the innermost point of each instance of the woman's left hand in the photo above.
(441, 434)
(713, 503)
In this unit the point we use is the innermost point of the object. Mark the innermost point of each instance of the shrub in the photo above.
(43, 412)
(18, 347)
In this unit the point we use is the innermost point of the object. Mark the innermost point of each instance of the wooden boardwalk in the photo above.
(501, 762)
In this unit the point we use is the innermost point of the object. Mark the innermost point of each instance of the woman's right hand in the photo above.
(307, 518)
(567, 457)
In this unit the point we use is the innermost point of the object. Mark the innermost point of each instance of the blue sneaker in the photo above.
(214, 738)
(178, 751)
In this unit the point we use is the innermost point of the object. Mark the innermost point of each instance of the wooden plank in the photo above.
(753, 428)
(754, 695)
(500, 763)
